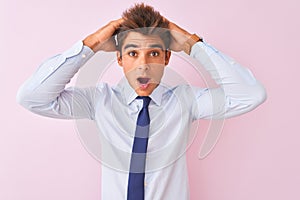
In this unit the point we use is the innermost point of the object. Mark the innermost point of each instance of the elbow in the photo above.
(259, 96)
(24, 98)
(250, 100)
(21, 98)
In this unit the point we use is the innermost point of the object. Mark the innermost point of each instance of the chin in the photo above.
(143, 92)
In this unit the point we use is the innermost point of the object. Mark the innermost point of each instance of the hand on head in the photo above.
(179, 36)
(102, 39)
(140, 16)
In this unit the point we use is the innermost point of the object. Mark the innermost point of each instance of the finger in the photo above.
(166, 20)
(117, 23)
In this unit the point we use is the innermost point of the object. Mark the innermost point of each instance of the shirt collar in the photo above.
(157, 94)
(130, 95)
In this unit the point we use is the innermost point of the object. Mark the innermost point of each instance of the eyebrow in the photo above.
(130, 45)
(156, 46)
(136, 46)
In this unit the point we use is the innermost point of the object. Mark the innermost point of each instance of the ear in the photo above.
(167, 57)
(119, 58)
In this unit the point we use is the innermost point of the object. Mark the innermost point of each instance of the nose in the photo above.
(143, 62)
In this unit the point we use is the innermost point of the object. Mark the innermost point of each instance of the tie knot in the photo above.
(146, 100)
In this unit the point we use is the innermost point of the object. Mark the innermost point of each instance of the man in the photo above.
(144, 43)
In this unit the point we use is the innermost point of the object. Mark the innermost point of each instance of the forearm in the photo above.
(241, 91)
(49, 81)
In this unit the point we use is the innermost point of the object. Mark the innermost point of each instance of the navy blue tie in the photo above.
(136, 178)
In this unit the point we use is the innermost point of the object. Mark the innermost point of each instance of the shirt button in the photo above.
(145, 184)
(83, 56)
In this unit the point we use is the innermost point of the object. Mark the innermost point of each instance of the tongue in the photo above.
(144, 83)
(143, 86)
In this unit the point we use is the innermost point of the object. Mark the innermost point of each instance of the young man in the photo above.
(144, 122)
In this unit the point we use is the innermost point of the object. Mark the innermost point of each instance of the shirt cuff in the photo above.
(202, 46)
(78, 48)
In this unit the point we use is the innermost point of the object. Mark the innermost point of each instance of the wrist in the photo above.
(193, 39)
(91, 42)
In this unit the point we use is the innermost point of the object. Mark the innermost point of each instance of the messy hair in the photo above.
(143, 19)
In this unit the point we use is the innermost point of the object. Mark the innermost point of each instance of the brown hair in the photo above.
(143, 19)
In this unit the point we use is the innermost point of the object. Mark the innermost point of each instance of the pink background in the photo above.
(257, 156)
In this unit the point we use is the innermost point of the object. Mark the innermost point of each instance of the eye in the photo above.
(132, 53)
(154, 53)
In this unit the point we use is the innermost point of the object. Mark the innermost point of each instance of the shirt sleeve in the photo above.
(237, 90)
(44, 92)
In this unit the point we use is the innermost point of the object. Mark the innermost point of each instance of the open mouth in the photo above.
(144, 82)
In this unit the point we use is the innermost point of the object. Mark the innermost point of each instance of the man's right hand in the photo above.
(102, 39)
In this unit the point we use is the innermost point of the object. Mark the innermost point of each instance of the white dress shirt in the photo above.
(115, 110)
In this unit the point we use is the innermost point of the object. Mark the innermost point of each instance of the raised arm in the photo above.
(44, 92)
(238, 92)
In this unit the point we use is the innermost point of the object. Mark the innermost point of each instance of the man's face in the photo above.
(143, 59)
